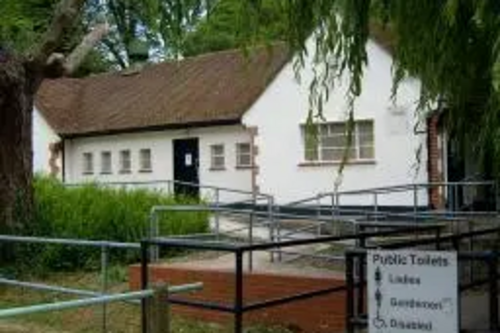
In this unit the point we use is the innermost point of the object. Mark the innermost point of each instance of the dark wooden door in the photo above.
(186, 156)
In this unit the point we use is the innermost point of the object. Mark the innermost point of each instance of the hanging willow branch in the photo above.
(451, 46)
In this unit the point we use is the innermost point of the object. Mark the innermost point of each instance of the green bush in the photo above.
(97, 213)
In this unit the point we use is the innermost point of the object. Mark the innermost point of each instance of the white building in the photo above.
(222, 119)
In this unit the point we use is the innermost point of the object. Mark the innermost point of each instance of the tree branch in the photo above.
(58, 65)
(65, 16)
(74, 60)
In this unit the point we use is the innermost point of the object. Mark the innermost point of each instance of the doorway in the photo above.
(186, 161)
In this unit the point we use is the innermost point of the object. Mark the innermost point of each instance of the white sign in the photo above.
(188, 159)
(412, 291)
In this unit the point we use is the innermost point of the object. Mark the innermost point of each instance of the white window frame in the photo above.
(217, 159)
(87, 163)
(106, 163)
(314, 151)
(123, 167)
(239, 154)
(146, 165)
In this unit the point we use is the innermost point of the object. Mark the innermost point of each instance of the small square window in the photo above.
(145, 161)
(106, 162)
(125, 161)
(88, 163)
(243, 155)
(217, 157)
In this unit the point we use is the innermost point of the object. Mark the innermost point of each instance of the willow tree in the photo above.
(451, 46)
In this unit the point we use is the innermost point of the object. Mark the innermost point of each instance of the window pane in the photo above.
(243, 148)
(88, 163)
(145, 159)
(244, 160)
(331, 154)
(218, 162)
(311, 154)
(217, 157)
(217, 150)
(365, 127)
(243, 155)
(106, 162)
(125, 163)
(365, 139)
(336, 129)
(366, 152)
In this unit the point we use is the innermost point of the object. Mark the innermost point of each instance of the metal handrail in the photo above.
(170, 182)
(105, 299)
(68, 241)
(390, 189)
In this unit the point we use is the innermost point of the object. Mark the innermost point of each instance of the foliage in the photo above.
(22, 24)
(452, 46)
(225, 28)
(95, 213)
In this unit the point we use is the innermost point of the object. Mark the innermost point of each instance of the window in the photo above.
(145, 160)
(217, 159)
(125, 162)
(106, 162)
(88, 163)
(331, 140)
(243, 155)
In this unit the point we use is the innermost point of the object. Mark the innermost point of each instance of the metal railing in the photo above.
(239, 307)
(154, 304)
(212, 193)
(95, 300)
(104, 247)
(451, 191)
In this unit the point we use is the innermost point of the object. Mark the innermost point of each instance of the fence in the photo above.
(104, 247)
(214, 195)
(154, 300)
(459, 196)
(239, 308)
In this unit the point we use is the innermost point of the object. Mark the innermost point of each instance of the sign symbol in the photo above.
(379, 323)
(378, 276)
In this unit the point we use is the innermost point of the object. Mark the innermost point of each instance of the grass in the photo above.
(122, 318)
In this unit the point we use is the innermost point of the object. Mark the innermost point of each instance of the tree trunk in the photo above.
(17, 89)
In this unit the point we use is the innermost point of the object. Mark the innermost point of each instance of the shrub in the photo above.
(94, 212)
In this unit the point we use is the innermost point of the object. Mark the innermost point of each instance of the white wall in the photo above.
(43, 136)
(161, 147)
(284, 105)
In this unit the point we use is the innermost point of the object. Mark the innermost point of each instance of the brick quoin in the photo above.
(434, 158)
(316, 315)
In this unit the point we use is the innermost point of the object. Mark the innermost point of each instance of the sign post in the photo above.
(412, 291)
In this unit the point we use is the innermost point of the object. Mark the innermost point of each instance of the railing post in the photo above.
(104, 285)
(318, 208)
(270, 211)
(361, 279)
(250, 239)
(238, 302)
(455, 200)
(144, 283)
(415, 203)
(349, 300)
(159, 310)
(438, 239)
(493, 292)
(216, 216)
(154, 231)
(471, 249)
